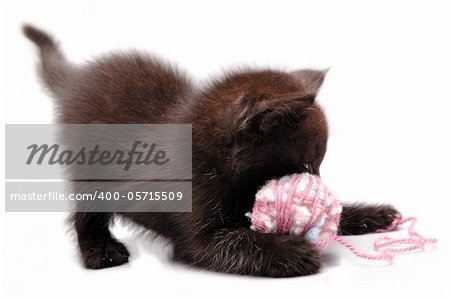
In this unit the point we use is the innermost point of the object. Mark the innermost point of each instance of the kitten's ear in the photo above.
(272, 117)
(310, 80)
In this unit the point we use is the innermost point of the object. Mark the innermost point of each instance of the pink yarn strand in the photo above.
(383, 256)
(312, 220)
(389, 247)
(286, 221)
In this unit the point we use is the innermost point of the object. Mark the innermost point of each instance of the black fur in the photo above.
(248, 127)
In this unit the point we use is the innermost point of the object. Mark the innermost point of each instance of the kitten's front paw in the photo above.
(361, 219)
(293, 256)
(104, 254)
(386, 216)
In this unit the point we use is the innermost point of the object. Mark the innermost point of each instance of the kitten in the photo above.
(248, 127)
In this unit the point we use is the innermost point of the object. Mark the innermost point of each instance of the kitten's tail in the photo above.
(55, 69)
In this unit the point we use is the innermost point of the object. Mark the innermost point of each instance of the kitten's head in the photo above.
(269, 122)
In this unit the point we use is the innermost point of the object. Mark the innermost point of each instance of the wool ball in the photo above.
(297, 204)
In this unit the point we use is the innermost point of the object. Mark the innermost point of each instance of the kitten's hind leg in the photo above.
(98, 248)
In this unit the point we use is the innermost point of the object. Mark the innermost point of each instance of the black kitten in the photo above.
(248, 127)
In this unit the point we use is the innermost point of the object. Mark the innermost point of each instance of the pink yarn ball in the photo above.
(298, 204)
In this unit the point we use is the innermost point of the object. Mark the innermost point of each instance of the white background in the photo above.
(386, 97)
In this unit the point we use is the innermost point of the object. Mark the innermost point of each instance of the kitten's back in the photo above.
(123, 87)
